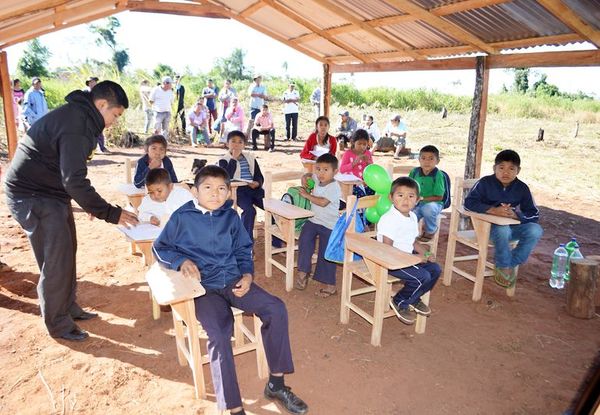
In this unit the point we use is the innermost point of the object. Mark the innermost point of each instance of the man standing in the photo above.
(34, 103)
(49, 169)
(257, 94)
(180, 96)
(209, 93)
(291, 97)
(315, 100)
(227, 92)
(161, 100)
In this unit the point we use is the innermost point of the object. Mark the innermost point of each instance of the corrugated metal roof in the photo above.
(364, 42)
(278, 22)
(509, 21)
(430, 4)
(369, 9)
(319, 16)
(588, 10)
(419, 35)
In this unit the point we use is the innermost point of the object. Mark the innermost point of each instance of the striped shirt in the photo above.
(244, 169)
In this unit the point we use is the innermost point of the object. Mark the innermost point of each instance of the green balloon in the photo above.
(383, 205)
(378, 179)
(372, 215)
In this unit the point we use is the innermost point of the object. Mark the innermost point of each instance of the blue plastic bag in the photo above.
(335, 248)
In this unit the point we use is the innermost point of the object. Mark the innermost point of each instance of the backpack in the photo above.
(292, 196)
(446, 199)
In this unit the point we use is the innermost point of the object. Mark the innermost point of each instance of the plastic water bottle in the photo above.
(570, 247)
(575, 255)
(559, 267)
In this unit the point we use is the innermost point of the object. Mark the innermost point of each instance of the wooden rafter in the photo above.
(185, 9)
(563, 13)
(253, 8)
(24, 8)
(389, 39)
(441, 24)
(286, 11)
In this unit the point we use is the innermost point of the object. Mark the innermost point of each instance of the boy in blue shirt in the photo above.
(205, 239)
(503, 194)
(155, 157)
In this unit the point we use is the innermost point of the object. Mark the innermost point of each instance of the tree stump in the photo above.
(540, 135)
(581, 290)
(596, 258)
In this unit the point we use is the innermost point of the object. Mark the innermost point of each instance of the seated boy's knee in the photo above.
(534, 230)
(430, 209)
(501, 231)
(435, 270)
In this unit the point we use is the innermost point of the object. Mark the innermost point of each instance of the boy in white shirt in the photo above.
(399, 227)
(325, 203)
(163, 198)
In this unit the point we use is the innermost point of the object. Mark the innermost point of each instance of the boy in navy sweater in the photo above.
(205, 239)
(503, 194)
(155, 157)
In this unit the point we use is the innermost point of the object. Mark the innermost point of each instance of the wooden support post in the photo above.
(596, 259)
(581, 290)
(9, 113)
(540, 135)
(478, 116)
(326, 90)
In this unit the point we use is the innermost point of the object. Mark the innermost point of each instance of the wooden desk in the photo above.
(134, 195)
(308, 165)
(377, 259)
(234, 186)
(284, 216)
(347, 185)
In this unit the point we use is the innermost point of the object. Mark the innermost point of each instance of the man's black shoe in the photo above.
(292, 403)
(76, 335)
(86, 316)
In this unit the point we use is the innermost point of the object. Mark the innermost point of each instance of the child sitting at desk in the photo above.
(222, 260)
(324, 202)
(356, 160)
(319, 142)
(399, 227)
(503, 194)
(163, 198)
(155, 157)
(243, 166)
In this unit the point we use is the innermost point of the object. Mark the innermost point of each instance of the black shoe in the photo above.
(405, 315)
(86, 316)
(254, 148)
(76, 335)
(421, 308)
(292, 403)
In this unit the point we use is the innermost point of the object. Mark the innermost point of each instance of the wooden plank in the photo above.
(496, 220)
(7, 99)
(421, 65)
(23, 8)
(285, 210)
(384, 255)
(482, 118)
(185, 9)
(441, 24)
(564, 13)
(170, 286)
(253, 8)
(326, 90)
(537, 41)
(464, 5)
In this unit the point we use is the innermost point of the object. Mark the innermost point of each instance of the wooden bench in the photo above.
(174, 289)
(284, 215)
(377, 259)
(477, 239)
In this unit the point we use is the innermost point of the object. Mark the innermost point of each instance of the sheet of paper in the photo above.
(141, 232)
(242, 180)
(130, 189)
(308, 161)
(346, 177)
(318, 152)
(170, 286)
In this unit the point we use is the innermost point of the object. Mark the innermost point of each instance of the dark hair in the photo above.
(15, 81)
(156, 176)
(155, 139)
(321, 118)
(211, 171)
(508, 155)
(406, 182)
(228, 80)
(328, 158)
(358, 135)
(431, 149)
(236, 133)
(265, 106)
(112, 92)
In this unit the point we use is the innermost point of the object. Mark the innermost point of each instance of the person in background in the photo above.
(161, 99)
(225, 95)
(396, 130)
(291, 97)
(180, 97)
(373, 130)
(315, 100)
(34, 103)
(210, 93)
(257, 93)
(18, 95)
(234, 116)
(145, 92)
(345, 129)
(199, 117)
(263, 125)
(90, 82)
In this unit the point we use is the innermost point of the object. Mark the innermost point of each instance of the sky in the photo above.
(194, 43)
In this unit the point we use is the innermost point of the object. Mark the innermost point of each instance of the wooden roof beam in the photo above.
(21, 8)
(186, 9)
(253, 8)
(463, 6)
(563, 13)
(286, 11)
(389, 39)
(441, 24)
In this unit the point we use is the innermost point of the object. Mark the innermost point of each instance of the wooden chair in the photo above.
(477, 239)
(372, 269)
(134, 195)
(173, 289)
(284, 216)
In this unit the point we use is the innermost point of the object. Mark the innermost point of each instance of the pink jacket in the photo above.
(347, 160)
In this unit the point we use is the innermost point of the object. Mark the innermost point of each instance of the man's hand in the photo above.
(154, 164)
(190, 270)
(128, 219)
(254, 185)
(243, 286)
(154, 221)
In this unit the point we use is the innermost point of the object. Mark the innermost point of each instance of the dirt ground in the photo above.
(498, 356)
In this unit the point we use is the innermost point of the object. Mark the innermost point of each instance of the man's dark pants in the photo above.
(50, 227)
(291, 125)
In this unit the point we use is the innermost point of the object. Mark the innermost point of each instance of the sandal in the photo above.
(325, 293)
(302, 280)
(503, 279)
(5, 267)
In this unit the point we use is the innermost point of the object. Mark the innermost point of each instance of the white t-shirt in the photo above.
(162, 99)
(403, 230)
(290, 107)
(145, 92)
(163, 210)
(328, 215)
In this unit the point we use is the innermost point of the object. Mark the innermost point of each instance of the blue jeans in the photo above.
(148, 116)
(418, 280)
(528, 234)
(429, 211)
(199, 131)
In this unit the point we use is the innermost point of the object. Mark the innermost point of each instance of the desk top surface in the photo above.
(130, 190)
(286, 210)
(385, 255)
(496, 220)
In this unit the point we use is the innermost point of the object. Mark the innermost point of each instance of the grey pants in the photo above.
(161, 123)
(50, 227)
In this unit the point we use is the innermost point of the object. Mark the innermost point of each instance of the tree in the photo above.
(107, 34)
(162, 70)
(34, 61)
(542, 87)
(233, 67)
(521, 80)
